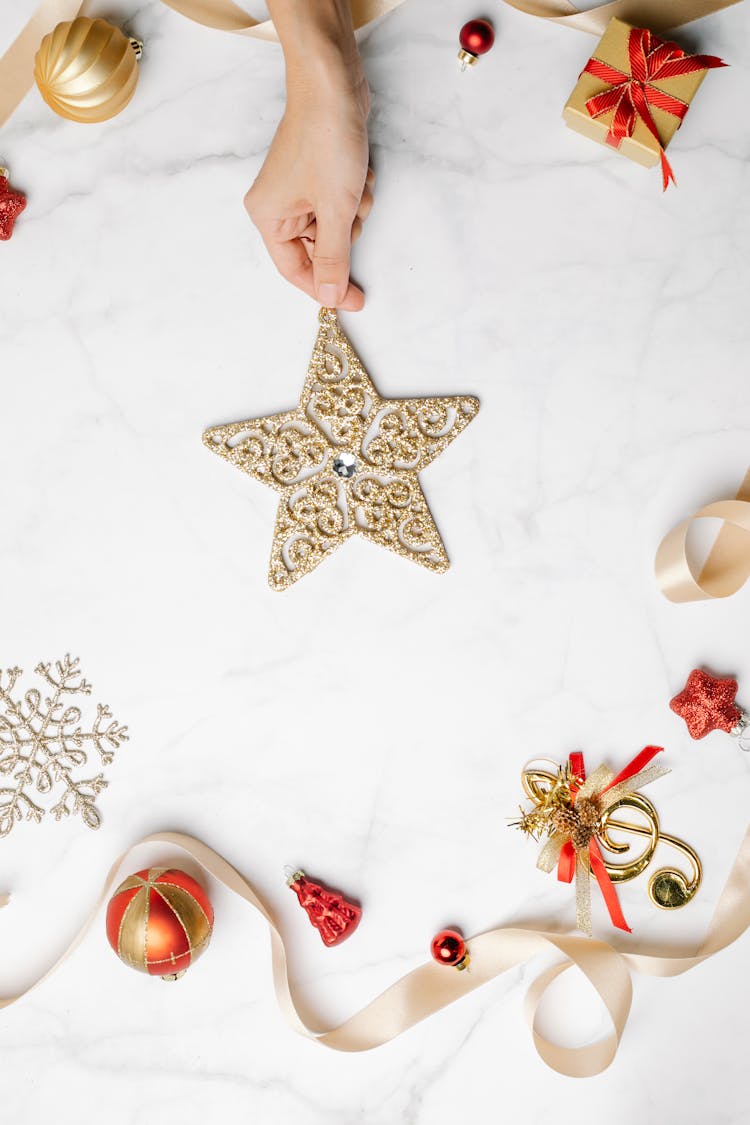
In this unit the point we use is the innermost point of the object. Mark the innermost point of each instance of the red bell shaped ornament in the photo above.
(333, 917)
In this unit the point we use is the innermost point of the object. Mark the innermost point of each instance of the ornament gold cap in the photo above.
(466, 58)
(174, 976)
(137, 45)
(293, 875)
(5, 172)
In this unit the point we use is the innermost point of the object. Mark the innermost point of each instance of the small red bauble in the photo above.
(159, 921)
(12, 204)
(329, 912)
(476, 38)
(449, 948)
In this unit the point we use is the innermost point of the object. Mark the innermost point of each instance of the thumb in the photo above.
(330, 261)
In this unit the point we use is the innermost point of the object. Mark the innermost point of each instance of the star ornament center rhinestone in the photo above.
(346, 462)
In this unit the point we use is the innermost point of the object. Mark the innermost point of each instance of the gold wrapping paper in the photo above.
(642, 147)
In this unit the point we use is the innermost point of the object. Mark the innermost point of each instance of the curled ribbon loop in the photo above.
(430, 987)
(727, 566)
(631, 96)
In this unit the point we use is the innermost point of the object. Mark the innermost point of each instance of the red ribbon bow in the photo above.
(632, 95)
(566, 864)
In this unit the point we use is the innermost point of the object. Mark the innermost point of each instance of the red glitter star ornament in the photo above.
(12, 204)
(707, 703)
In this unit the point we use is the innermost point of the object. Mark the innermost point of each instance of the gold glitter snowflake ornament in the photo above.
(345, 462)
(42, 745)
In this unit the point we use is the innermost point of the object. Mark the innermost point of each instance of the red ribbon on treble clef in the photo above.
(566, 864)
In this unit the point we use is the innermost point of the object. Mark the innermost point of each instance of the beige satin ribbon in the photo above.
(654, 14)
(17, 64)
(431, 987)
(224, 15)
(727, 567)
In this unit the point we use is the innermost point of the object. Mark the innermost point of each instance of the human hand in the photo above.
(314, 190)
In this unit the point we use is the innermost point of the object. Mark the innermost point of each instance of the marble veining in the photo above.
(603, 326)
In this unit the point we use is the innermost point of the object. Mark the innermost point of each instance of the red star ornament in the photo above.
(707, 703)
(12, 204)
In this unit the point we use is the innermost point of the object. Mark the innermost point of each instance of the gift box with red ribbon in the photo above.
(634, 92)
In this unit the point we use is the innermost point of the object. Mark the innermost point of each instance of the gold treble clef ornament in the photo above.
(667, 888)
(580, 818)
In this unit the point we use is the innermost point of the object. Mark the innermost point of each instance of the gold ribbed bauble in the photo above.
(87, 70)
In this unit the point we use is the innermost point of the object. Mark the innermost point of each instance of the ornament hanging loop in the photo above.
(742, 733)
(327, 316)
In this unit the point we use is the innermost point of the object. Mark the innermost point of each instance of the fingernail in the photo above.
(328, 295)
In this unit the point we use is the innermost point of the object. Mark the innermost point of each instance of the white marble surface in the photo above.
(370, 723)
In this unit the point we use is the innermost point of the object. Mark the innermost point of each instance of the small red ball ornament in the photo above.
(12, 204)
(449, 948)
(159, 921)
(476, 38)
(329, 912)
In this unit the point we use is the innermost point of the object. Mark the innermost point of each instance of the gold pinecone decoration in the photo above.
(588, 812)
(581, 837)
(587, 817)
(579, 821)
(564, 819)
(557, 812)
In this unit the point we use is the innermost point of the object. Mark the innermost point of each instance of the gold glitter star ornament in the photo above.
(346, 462)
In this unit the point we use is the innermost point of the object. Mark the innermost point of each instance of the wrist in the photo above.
(320, 51)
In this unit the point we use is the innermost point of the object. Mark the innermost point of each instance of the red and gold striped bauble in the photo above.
(159, 921)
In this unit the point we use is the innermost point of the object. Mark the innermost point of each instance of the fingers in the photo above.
(294, 263)
(330, 261)
(354, 299)
(308, 234)
(312, 253)
(336, 230)
(365, 204)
